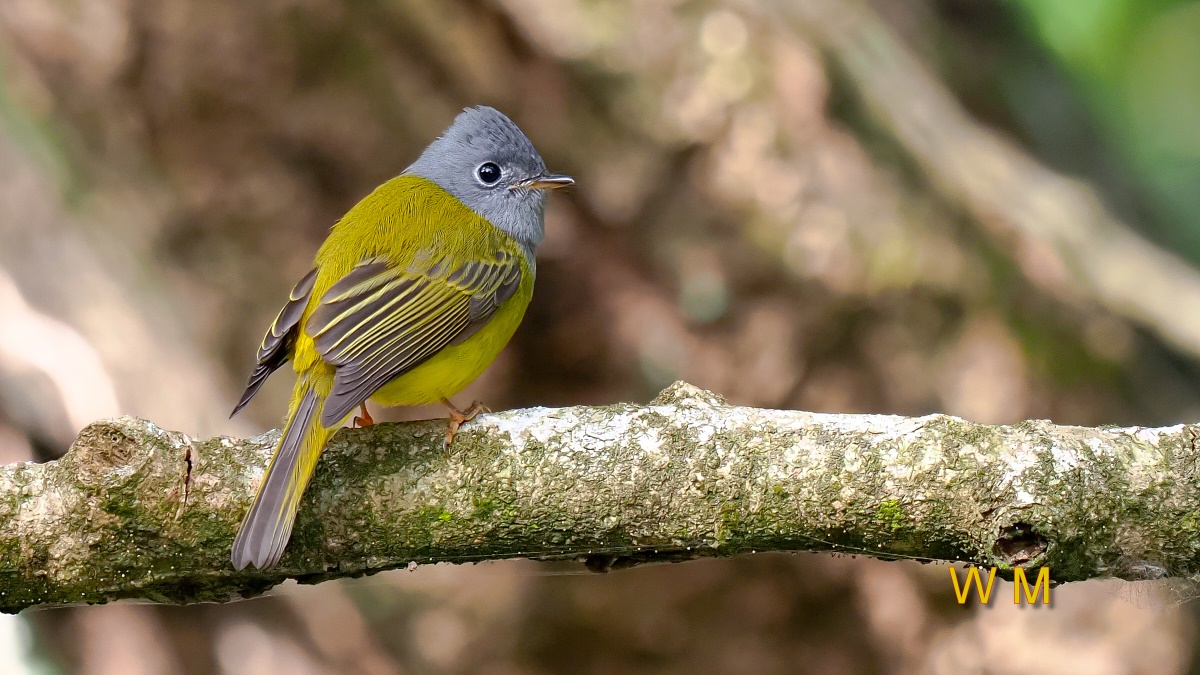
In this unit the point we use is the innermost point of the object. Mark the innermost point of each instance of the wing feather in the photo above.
(275, 349)
(378, 322)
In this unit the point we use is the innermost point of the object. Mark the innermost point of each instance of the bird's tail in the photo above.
(268, 525)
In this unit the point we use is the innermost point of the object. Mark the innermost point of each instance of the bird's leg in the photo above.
(458, 418)
(364, 418)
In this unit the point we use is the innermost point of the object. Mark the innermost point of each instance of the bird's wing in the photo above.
(378, 322)
(275, 348)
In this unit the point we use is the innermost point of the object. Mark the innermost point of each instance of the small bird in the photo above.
(414, 293)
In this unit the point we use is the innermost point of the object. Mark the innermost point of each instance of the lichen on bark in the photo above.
(136, 511)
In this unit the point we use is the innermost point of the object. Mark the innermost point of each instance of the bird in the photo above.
(414, 293)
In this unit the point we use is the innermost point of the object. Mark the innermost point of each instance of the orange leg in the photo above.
(364, 418)
(458, 418)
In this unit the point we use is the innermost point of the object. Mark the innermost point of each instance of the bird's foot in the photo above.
(458, 418)
(363, 419)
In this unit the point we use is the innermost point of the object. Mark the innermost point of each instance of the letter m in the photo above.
(1041, 584)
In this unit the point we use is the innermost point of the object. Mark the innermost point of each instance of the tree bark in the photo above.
(136, 511)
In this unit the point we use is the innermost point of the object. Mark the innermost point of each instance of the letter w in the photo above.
(961, 591)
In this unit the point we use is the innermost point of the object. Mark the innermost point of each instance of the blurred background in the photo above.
(982, 207)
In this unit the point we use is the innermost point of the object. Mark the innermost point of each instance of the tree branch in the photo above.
(685, 476)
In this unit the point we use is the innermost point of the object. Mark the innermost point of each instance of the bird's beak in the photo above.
(549, 181)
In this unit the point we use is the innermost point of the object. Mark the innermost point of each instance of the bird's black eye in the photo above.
(489, 173)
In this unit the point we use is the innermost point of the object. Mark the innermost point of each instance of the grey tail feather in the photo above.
(268, 526)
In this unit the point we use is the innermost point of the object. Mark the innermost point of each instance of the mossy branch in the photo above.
(135, 511)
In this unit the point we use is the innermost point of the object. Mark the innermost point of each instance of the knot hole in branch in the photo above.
(103, 446)
(1019, 544)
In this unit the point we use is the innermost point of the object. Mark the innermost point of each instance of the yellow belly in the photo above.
(453, 368)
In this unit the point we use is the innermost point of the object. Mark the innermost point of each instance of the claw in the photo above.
(458, 418)
(364, 418)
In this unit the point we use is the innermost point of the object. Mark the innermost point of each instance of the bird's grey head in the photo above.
(485, 161)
